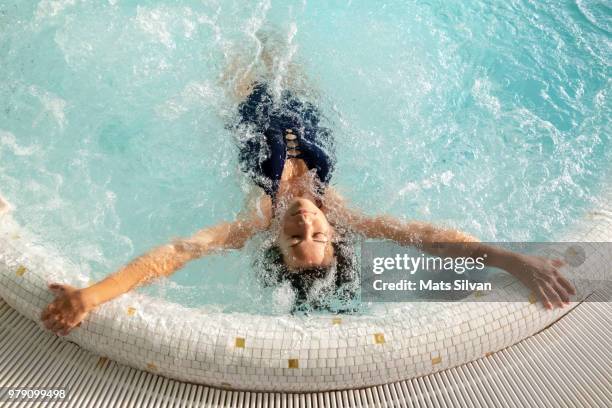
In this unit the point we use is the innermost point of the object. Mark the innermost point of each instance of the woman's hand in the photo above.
(4, 206)
(67, 311)
(542, 276)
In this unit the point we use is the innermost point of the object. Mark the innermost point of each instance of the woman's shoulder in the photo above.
(335, 206)
(258, 209)
(340, 213)
(332, 197)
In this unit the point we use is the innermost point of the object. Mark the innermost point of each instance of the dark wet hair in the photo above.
(272, 271)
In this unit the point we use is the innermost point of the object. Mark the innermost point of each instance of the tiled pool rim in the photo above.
(281, 353)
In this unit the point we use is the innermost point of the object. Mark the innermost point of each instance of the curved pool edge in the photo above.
(560, 365)
(270, 353)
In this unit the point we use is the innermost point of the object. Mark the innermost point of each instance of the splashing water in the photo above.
(492, 117)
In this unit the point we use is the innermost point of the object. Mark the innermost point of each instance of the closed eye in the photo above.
(318, 237)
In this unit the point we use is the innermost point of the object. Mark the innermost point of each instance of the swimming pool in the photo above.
(493, 118)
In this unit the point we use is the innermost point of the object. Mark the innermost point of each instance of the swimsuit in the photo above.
(279, 128)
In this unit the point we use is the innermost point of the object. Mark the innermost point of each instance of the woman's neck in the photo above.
(296, 181)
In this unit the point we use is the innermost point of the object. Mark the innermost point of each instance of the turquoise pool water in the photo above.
(493, 117)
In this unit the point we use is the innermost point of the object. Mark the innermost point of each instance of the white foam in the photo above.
(481, 91)
(194, 94)
(444, 178)
(153, 22)
(51, 8)
(52, 104)
(8, 140)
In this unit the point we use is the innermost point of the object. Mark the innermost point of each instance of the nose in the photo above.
(304, 219)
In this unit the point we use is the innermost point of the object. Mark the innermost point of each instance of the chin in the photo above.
(301, 202)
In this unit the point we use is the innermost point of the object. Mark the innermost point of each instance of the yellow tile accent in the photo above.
(226, 385)
(488, 353)
(479, 293)
(436, 360)
(532, 298)
(294, 363)
(16, 236)
(131, 311)
(337, 320)
(151, 366)
(21, 270)
(240, 342)
(379, 338)
(102, 362)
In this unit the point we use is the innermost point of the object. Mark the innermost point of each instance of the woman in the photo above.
(286, 152)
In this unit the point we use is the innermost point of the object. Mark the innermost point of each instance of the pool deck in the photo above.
(565, 365)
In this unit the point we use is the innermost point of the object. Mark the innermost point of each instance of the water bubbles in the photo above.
(493, 117)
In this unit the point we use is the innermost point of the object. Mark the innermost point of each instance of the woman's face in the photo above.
(305, 237)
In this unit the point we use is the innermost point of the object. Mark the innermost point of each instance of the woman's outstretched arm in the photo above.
(167, 259)
(539, 274)
(72, 305)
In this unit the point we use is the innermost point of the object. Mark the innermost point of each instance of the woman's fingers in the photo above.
(562, 294)
(48, 323)
(52, 323)
(66, 327)
(60, 326)
(543, 297)
(58, 316)
(553, 296)
(53, 320)
(58, 291)
(55, 325)
(45, 313)
(49, 313)
(51, 307)
(55, 287)
(567, 285)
